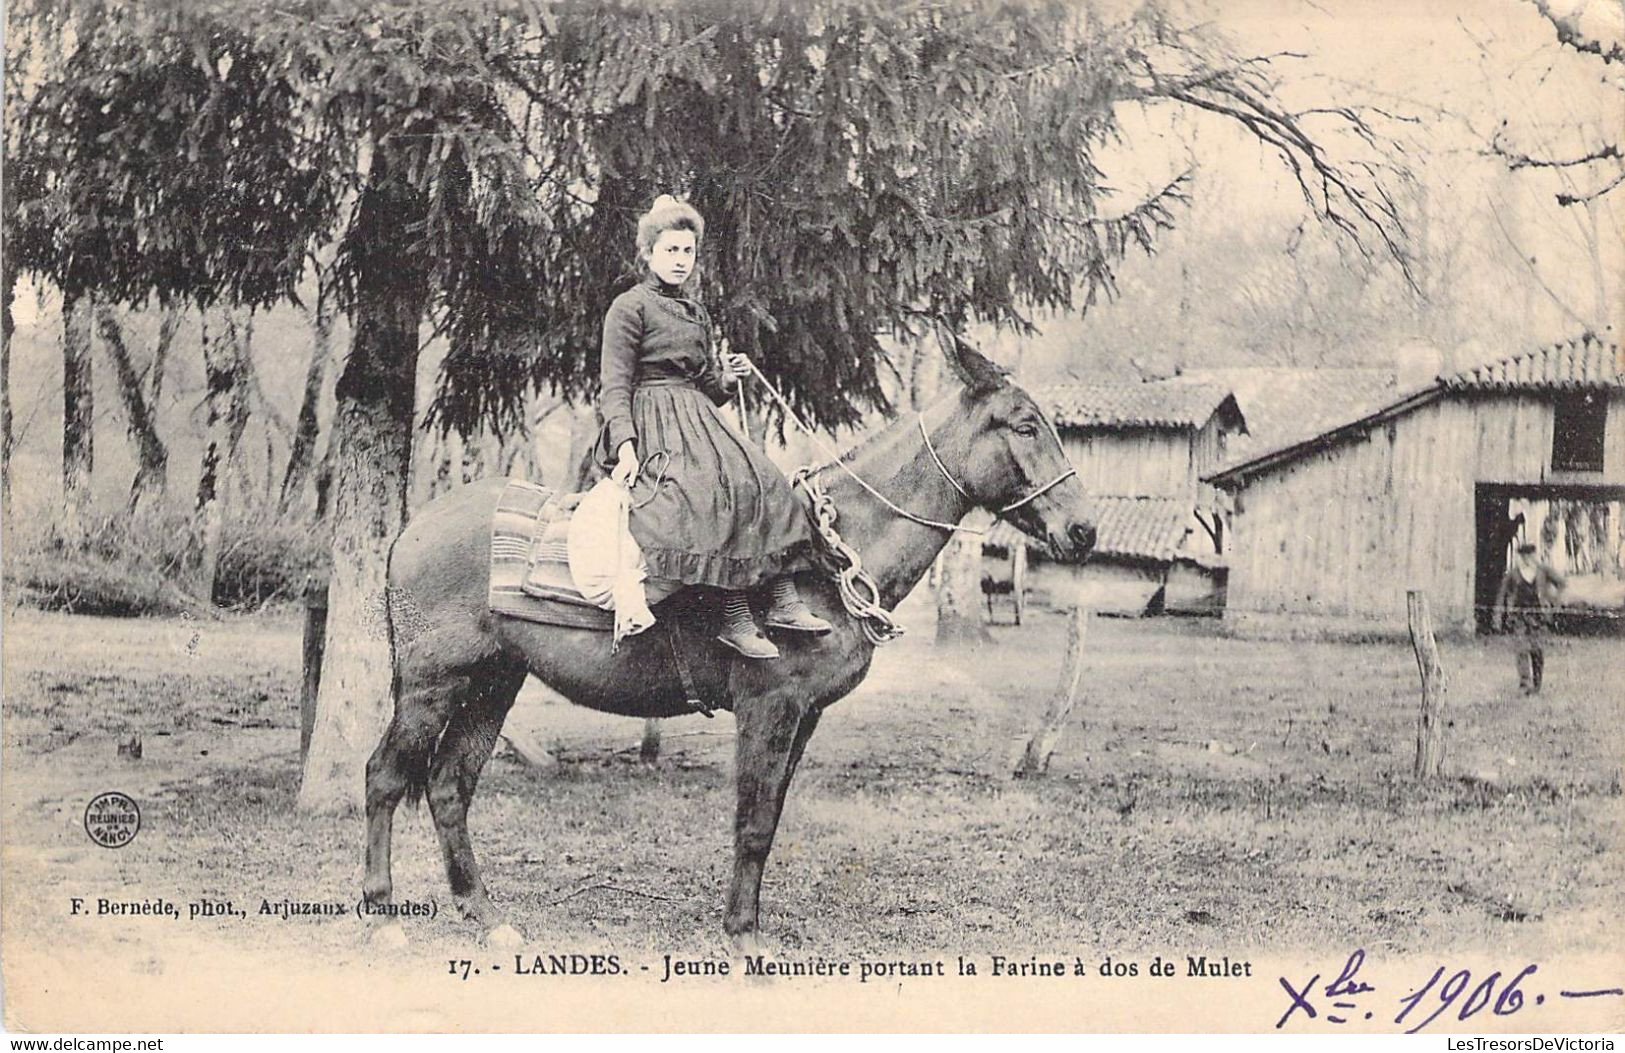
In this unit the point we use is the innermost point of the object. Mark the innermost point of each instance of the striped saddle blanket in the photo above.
(530, 561)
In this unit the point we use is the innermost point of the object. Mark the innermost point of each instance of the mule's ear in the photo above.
(974, 370)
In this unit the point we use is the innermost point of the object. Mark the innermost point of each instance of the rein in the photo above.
(835, 459)
(860, 595)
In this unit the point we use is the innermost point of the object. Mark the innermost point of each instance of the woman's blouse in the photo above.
(653, 334)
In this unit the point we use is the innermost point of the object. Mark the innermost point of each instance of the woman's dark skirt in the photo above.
(708, 507)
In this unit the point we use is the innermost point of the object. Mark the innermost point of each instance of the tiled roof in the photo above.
(1158, 404)
(1148, 527)
(1584, 363)
(1132, 527)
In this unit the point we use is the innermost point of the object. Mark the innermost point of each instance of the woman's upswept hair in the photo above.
(667, 213)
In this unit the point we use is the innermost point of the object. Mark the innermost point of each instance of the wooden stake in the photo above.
(528, 749)
(1035, 758)
(1430, 722)
(649, 751)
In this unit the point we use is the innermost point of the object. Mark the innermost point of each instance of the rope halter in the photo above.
(1012, 506)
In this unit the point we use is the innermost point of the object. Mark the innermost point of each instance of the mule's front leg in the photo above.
(773, 732)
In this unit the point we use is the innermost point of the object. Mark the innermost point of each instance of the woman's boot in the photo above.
(790, 611)
(740, 632)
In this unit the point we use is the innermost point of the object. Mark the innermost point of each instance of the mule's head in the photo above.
(1008, 457)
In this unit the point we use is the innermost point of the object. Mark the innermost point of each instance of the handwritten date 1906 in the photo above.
(1348, 995)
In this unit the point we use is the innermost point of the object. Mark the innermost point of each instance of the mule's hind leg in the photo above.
(434, 675)
(429, 690)
(458, 761)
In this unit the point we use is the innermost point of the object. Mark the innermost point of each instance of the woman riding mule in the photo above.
(717, 512)
(458, 666)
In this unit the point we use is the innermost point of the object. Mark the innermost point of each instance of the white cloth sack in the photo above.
(606, 563)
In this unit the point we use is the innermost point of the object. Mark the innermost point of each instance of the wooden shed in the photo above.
(1154, 439)
(1141, 450)
(1424, 492)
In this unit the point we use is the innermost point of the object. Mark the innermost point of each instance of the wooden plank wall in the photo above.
(1343, 532)
(1143, 462)
(1207, 453)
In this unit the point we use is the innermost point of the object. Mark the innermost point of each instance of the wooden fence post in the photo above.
(649, 751)
(315, 642)
(1035, 758)
(1430, 722)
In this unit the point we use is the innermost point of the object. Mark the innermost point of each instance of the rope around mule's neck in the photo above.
(859, 593)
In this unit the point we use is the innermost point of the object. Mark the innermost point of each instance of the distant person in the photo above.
(1531, 587)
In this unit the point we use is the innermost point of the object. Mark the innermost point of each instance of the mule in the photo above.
(458, 666)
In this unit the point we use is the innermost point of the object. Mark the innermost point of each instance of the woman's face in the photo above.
(672, 256)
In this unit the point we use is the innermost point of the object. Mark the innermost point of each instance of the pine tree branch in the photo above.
(1369, 209)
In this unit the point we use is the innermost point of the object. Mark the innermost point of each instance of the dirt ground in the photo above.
(1210, 793)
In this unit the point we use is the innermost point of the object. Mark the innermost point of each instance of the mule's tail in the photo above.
(415, 763)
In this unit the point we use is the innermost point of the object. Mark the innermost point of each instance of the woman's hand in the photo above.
(735, 366)
(626, 467)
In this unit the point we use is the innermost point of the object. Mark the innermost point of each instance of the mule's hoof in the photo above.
(748, 944)
(504, 935)
(391, 937)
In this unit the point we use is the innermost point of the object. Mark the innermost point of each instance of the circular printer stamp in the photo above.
(112, 819)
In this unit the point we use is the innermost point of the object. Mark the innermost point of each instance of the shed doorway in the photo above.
(1580, 529)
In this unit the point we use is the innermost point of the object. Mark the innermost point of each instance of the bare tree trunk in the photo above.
(1430, 722)
(372, 469)
(160, 355)
(225, 340)
(373, 433)
(443, 478)
(302, 455)
(78, 413)
(9, 280)
(1040, 747)
(583, 434)
(649, 748)
(515, 459)
(152, 459)
(473, 457)
(270, 493)
(324, 477)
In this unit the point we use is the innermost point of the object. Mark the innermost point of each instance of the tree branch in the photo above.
(1607, 152)
(1323, 184)
(1568, 32)
(1515, 160)
(1580, 199)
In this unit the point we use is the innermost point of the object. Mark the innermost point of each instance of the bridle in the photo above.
(1012, 506)
(804, 476)
(860, 595)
